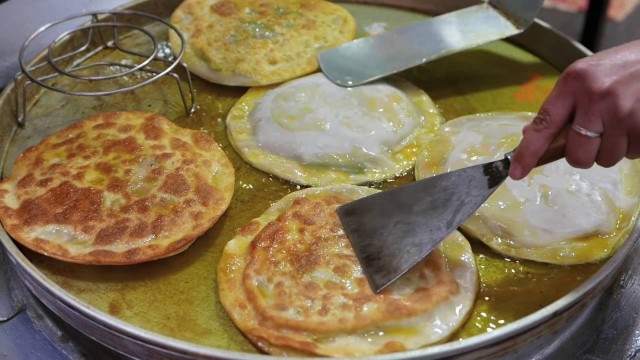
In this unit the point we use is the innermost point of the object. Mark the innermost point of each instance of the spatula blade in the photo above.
(370, 58)
(391, 231)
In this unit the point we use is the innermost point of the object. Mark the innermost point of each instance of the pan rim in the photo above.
(37, 281)
(135, 333)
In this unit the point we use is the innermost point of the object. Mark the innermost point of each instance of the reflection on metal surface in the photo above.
(72, 56)
(533, 334)
(37, 333)
(396, 50)
(4, 319)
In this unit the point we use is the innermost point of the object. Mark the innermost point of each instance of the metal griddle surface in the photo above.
(177, 296)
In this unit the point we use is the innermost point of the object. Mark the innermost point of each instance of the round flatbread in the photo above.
(292, 284)
(116, 188)
(258, 42)
(313, 132)
(558, 214)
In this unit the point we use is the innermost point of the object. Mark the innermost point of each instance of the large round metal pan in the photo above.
(43, 278)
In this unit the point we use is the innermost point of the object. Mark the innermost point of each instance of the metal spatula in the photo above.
(393, 230)
(370, 58)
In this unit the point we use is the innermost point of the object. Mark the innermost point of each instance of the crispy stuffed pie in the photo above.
(116, 188)
(258, 42)
(311, 131)
(558, 214)
(292, 284)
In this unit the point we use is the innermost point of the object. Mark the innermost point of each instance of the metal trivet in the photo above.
(71, 62)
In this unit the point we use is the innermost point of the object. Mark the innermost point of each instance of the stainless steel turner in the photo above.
(393, 230)
(371, 58)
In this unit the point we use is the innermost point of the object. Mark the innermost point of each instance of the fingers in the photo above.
(633, 148)
(614, 145)
(632, 128)
(633, 134)
(620, 110)
(600, 93)
(581, 150)
(554, 114)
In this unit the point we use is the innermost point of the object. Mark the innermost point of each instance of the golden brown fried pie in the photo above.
(292, 284)
(258, 42)
(116, 188)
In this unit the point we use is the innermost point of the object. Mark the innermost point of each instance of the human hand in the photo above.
(600, 94)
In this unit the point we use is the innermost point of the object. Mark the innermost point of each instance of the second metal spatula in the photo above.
(370, 58)
(393, 230)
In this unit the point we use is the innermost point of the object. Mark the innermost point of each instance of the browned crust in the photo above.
(163, 201)
(262, 41)
(296, 237)
(288, 259)
(270, 341)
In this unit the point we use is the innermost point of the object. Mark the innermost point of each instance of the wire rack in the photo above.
(73, 59)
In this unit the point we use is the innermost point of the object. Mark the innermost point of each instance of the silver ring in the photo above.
(582, 131)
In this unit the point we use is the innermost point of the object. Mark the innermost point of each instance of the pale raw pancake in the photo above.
(116, 188)
(292, 284)
(258, 42)
(558, 214)
(313, 132)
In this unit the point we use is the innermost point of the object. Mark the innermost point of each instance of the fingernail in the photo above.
(515, 172)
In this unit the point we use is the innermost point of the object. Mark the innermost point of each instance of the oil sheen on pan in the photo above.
(177, 296)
